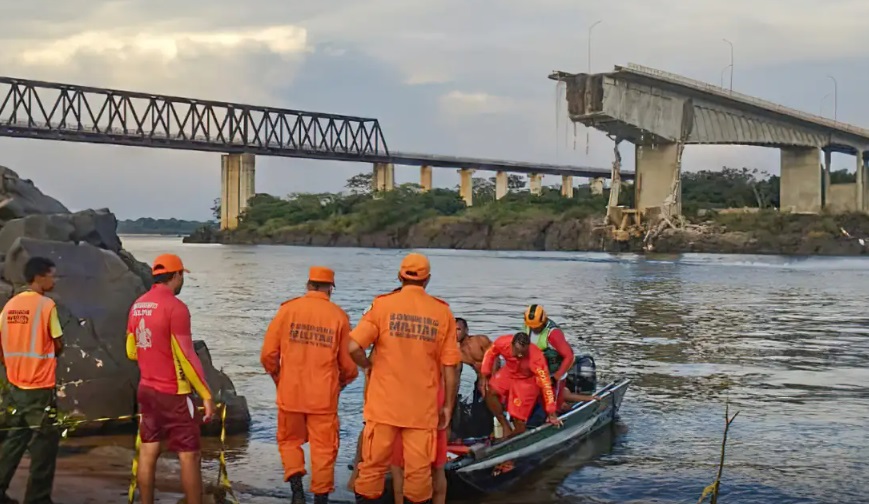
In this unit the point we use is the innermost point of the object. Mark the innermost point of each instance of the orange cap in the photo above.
(414, 267)
(167, 263)
(321, 274)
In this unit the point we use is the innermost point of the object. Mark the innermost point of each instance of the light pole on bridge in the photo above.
(835, 98)
(731, 63)
(590, 28)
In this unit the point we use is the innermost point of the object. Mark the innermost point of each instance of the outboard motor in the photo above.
(582, 378)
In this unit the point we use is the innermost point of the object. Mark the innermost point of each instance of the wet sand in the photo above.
(99, 476)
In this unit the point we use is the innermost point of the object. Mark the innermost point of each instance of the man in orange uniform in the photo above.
(305, 352)
(414, 335)
(31, 341)
(160, 339)
(439, 477)
(519, 383)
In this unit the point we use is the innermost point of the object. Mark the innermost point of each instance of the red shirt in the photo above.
(532, 366)
(159, 325)
(559, 343)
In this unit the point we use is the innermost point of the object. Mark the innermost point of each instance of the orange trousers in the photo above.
(377, 449)
(321, 432)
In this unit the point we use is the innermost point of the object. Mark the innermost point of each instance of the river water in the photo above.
(783, 340)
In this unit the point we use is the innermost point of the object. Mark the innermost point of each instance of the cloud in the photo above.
(459, 103)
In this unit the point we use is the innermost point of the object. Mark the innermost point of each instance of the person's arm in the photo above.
(559, 343)
(55, 330)
(347, 370)
(489, 360)
(363, 336)
(450, 357)
(2, 325)
(270, 355)
(541, 371)
(182, 349)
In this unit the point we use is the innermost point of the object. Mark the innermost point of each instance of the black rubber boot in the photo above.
(321, 498)
(298, 489)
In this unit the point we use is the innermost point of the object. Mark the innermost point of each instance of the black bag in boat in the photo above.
(471, 418)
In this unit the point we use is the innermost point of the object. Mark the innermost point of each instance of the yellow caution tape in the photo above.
(222, 474)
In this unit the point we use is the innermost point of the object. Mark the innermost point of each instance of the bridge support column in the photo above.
(500, 185)
(596, 185)
(825, 179)
(466, 185)
(425, 177)
(237, 176)
(656, 182)
(567, 186)
(861, 182)
(536, 183)
(801, 180)
(384, 177)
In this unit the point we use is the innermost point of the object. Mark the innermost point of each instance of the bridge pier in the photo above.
(425, 178)
(466, 186)
(800, 190)
(536, 183)
(596, 185)
(501, 186)
(237, 176)
(657, 178)
(567, 186)
(384, 177)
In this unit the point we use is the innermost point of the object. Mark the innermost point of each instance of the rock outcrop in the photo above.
(97, 282)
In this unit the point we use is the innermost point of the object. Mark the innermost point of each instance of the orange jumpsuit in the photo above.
(520, 382)
(414, 334)
(305, 351)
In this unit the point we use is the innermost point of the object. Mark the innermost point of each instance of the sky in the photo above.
(443, 77)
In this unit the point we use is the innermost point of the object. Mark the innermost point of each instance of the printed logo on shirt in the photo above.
(18, 316)
(404, 325)
(308, 334)
(144, 309)
(143, 335)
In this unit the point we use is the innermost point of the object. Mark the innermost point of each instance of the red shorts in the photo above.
(440, 451)
(520, 394)
(168, 417)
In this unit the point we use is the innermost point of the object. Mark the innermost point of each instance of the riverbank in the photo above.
(764, 232)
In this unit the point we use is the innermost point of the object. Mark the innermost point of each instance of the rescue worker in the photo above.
(519, 383)
(31, 342)
(305, 352)
(438, 475)
(159, 338)
(548, 337)
(414, 336)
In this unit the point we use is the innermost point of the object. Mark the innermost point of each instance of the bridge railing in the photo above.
(751, 100)
(65, 112)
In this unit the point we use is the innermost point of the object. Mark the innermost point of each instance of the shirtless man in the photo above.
(473, 349)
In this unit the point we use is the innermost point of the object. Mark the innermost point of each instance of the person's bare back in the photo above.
(474, 348)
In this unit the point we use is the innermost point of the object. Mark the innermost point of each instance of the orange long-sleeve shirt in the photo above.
(305, 347)
(532, 366)
(413, 334)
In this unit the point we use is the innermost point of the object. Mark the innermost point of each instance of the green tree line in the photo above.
(359, 209)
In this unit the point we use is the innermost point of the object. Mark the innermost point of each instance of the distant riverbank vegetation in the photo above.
(360, 210)
(408, 217)
(147, 225)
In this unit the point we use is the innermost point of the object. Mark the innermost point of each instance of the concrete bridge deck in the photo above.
(641, 105)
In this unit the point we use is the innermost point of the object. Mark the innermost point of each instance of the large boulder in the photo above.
(24, 198)
(97, 283)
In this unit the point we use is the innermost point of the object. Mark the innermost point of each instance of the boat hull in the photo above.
(498, 467)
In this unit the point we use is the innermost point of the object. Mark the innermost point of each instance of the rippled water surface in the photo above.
(784, 340)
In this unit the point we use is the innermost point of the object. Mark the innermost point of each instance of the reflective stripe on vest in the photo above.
(35, 324)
